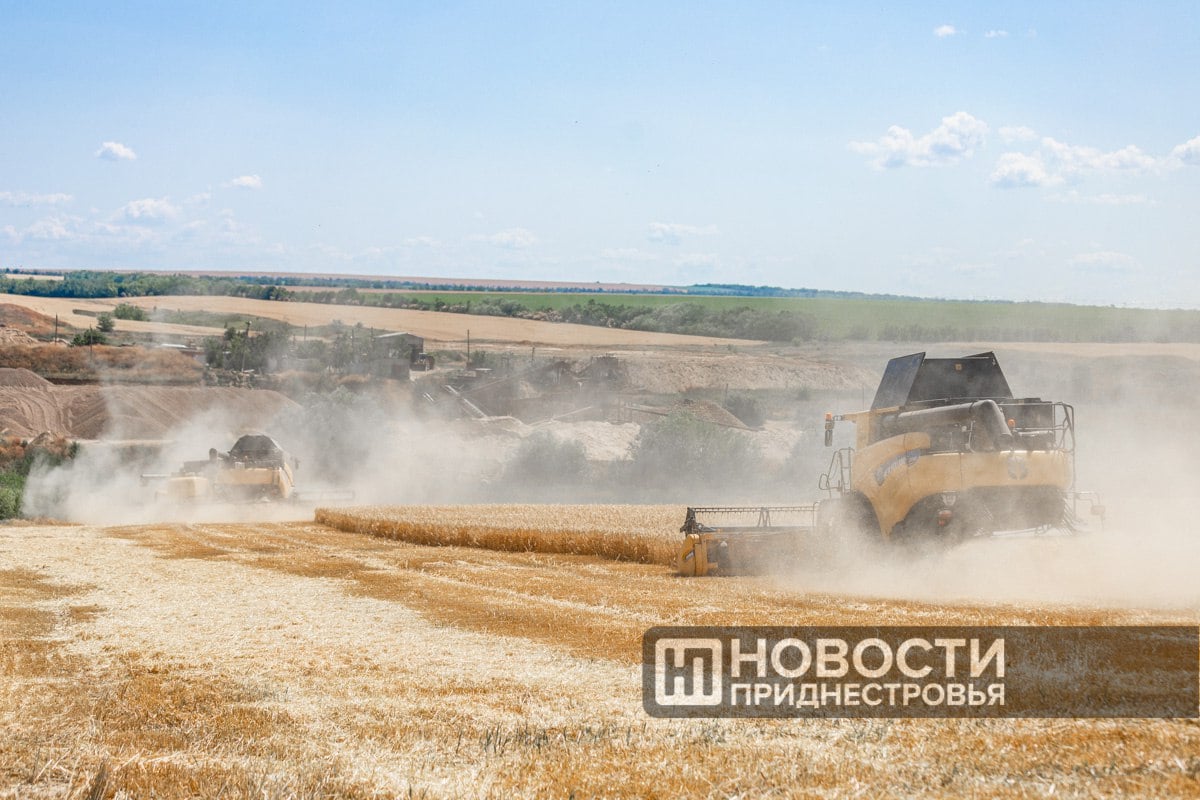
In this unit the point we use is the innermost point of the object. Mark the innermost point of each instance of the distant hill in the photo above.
(727, 311)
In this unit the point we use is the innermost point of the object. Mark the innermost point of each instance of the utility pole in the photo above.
(245, 345)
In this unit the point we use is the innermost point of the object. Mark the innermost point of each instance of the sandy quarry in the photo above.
(31, 405)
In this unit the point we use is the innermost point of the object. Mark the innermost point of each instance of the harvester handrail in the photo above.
(748, 509)
(692, 525)
(1066, 428)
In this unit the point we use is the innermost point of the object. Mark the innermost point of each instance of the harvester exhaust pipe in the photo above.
(985, 414)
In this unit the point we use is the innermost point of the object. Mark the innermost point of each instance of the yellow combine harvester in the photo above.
(945, 452)
(255, 468)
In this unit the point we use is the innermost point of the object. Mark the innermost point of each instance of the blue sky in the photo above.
(1046, 151)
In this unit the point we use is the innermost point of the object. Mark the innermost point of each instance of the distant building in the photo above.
(398, 353)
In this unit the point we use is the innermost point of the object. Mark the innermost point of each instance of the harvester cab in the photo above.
(945, 452)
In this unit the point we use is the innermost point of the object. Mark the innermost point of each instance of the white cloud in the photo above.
(149, 209)
(1105, 199)
(420, 241)
(1077, 158)
(698, 261)
(627, 254)
(1017, 133)
(1104, 261)
(145, 228)
(512, 238)
(674, 232)
(115, 151)
(245, 182)
(28, 199)
(972, 268)
(1188, 152)
(956, 138)
(996, 34)
(51, 228)
(1016, 170)
(942, 31)
(1054, 162)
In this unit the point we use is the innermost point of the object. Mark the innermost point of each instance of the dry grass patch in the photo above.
(583, 605)
(159, 707)
(72, 728)
(644, 534)
(175, 541)
(129, 364)
(36, 677)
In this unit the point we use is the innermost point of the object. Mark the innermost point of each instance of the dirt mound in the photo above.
(94, 412)
(14, 336)
(709, 412)
(601, 441)
(19, 319)
(22, 377)
(673, 373)
(27, 412)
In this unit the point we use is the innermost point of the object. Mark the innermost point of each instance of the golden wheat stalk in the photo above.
(644, 534)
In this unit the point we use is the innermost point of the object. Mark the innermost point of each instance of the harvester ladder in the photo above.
(837, 477)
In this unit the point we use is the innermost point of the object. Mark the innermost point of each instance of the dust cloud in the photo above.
(376, 450)
(1136, 447)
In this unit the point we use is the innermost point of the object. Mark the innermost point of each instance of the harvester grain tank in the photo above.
(944, 453)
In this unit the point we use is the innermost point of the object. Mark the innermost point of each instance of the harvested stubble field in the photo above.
(437, 325)
(296, 660)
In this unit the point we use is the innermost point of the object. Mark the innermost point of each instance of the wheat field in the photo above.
(280, 660)
(644, 534)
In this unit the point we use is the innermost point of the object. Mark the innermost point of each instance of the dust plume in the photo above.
(365, 444)
(1135, 447)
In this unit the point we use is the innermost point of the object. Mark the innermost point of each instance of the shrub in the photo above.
(745, 408)
(681, 453)
(544, 461)
(12, 487)
(89, 337)
(128, 311)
